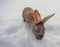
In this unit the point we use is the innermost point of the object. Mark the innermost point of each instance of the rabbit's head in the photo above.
(38, 27)
(38, 30)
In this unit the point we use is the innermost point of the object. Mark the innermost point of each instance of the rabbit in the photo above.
(33, 18)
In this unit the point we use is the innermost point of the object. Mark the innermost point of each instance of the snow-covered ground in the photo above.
(16, 33)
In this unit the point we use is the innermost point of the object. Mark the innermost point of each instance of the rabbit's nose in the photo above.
(39, 37)
(38, 31)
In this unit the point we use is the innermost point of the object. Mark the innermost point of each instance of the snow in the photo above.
(16, 33)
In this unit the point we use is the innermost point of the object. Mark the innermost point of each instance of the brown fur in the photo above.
(28, 15)
(37, 25)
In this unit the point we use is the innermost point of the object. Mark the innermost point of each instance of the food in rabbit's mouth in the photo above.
(33, 18)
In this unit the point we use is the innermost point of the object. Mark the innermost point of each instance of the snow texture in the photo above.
(16, 33)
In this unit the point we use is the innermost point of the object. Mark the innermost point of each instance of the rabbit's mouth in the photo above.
(39, 37)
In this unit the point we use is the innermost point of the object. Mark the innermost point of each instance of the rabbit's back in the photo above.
(28, 15)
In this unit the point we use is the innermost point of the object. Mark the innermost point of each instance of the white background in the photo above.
(16, 33)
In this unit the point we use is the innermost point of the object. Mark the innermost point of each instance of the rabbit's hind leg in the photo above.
(24, 20)
(23, 17)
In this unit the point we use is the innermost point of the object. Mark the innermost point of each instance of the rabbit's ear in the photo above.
(37, 16)
(47, 17)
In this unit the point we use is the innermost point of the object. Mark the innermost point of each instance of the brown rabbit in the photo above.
(33, 18)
